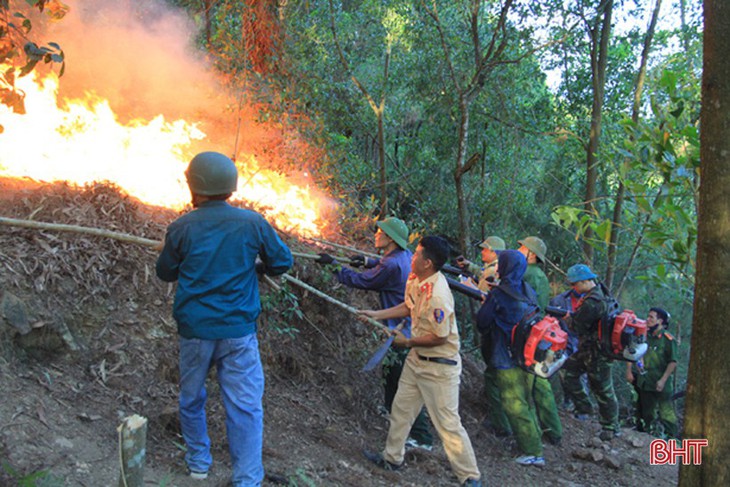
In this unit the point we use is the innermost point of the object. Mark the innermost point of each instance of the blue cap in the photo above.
(580, 272)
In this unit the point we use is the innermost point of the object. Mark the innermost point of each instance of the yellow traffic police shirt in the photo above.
(432, 312)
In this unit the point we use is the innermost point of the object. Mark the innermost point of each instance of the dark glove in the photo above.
(462, 262)
(326, 259)
(357, 260)
(260, 267)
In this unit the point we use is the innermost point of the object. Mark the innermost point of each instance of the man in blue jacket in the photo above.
(211, 252)
(388, 276)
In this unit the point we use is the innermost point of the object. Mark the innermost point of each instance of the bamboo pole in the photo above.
(343, 260)
(98, 232)
(332, 300)
(125, 237)
(345, 247)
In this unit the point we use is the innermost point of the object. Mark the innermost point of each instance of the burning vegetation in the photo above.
(135, 104)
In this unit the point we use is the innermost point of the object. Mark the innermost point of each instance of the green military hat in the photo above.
(493, 243)
(396, 229)
(536, 246)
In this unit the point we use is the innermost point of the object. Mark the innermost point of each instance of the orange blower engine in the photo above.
(539, 346)
(623, 337)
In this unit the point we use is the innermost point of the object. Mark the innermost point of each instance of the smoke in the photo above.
(140, 56)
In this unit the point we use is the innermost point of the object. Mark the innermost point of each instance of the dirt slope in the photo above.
(98, 344)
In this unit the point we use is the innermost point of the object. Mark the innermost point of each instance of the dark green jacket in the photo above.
(538, 281)
(662, 351)
(585, 318)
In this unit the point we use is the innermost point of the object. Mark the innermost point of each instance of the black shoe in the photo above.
(608, 435)
(554, 440)
(472, 483)
(378, 460)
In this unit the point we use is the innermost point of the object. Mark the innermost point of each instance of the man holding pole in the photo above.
(211, 252)
(388, 275)
(432, 370)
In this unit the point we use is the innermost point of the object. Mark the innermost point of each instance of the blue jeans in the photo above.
(241, 380)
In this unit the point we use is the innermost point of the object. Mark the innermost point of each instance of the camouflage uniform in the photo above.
(590, 360)
(542, 391)
(662, 351)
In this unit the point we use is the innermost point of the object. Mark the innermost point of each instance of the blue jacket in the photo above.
(388, 277)
(211, 252)
(501, 312)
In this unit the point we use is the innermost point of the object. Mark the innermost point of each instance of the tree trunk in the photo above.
(459, 174)
(707, 406)
(381, 165)
(635, 113)
(601, 34)
(208, 22)
(377, 108)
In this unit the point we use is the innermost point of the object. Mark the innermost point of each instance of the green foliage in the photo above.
(19, 55)
(40, 478)
(661, 173)
(280, 309)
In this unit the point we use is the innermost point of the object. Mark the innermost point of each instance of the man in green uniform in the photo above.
(497, 420)
(490, 247)
(534, 250)
(654, 379)
(589, 359)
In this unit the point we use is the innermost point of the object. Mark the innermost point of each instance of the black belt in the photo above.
(439, 360)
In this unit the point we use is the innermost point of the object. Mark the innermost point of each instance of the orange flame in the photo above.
(82, 141)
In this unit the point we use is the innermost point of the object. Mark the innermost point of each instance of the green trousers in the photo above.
(598, 369)
(497, 417)
(515, 387)
(392, 368)
(547, 410)
(651, 403)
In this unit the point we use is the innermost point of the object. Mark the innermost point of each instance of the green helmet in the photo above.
(396, 229)
(493, 243)
(212, 173)
(536, 246)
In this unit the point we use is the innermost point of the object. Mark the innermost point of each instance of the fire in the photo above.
(81, 141)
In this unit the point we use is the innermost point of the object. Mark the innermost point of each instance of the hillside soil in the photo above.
(87, 339)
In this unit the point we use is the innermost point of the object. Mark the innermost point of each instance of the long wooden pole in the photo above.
(98, 232)
(332, 300)
(344, 247)
(125, 237)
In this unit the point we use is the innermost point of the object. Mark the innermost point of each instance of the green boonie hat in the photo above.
(212, 173)
(493, 243)
(536, 246)
(396, 229)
